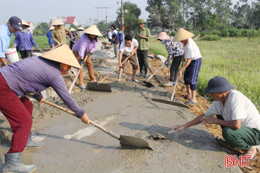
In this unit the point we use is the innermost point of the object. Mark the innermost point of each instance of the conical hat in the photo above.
(57, 22)
(80, 28)
(51, 28)
(62, 54)
(182, 34)
(25, 23)
(93, 30)
(72, 29)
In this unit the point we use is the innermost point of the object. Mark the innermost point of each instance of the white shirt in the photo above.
(114, 32)
(237, 106)
(191, 50)
(127, 50)
(109, 35)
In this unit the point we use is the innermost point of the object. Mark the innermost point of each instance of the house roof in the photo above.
(70, 20)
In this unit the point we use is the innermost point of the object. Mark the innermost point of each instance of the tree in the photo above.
(131, 15)
(41, 29)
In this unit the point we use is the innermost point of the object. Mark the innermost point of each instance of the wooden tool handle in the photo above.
(91, 122)
(113, 70)
(155, 72)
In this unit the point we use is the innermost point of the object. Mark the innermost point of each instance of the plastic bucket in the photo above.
(12, 55)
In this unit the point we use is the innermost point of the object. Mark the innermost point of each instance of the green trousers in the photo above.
(243, 139)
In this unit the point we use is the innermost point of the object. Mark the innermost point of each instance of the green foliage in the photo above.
(211, 38)
(131, 15)
(224, 33)
(41, 29)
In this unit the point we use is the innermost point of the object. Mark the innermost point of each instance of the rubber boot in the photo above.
(13, 163)
(33, 144)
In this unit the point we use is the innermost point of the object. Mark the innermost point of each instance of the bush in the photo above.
(224, 33)
(234, 33)
(211, 38)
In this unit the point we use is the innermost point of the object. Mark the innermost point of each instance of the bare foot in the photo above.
(252, 152)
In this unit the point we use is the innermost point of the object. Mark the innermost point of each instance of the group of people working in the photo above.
(237, 115)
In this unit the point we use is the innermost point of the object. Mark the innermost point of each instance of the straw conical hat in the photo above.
(62, 54)
(93, 30)
(51, 28)
(80, 28)
(57, 22)
(182, 34)
(25, 23)
(72, 29)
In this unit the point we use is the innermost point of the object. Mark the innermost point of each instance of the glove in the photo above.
(167, 62)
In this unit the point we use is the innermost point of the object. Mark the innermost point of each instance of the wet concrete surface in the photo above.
(71, 146)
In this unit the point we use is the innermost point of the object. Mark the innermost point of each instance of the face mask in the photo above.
(163, 41)
(24, 30)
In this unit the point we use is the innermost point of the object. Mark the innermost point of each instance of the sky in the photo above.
(42, 11)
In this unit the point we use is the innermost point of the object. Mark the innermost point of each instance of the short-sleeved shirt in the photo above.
(143, 43)
(191, 50)
(5, 38)
(127, 50)
(237, 106)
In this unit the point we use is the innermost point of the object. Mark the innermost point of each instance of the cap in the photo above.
(16, 22)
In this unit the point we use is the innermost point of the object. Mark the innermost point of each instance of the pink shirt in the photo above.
(84, 45)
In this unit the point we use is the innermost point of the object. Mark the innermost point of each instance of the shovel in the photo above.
(125, 141)
(77, 75)
(149, 84)
(99, 86)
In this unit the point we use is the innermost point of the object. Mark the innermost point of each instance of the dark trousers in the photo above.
(18, 112)
(243, 138)
(71, 44)
(142, 58)
(192, 72)
(176, 61)
(25, 53)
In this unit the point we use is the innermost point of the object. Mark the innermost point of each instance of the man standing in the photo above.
(59, 33)
(115, 40)
(14, 24)
(142, 51)
(193, 64)
(237, 116)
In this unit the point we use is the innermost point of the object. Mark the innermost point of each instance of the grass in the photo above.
(237, 59)
(41, 41)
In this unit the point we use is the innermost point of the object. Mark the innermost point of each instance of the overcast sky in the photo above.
(85, 11)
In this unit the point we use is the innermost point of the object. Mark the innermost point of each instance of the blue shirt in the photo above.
(5, 38)
(24, 40)
(49, 35)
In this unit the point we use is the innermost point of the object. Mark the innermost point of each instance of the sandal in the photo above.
(190, 102)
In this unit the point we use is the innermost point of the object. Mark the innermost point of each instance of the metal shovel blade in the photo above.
(94, 86)
(133, 142)
(148, 84)
(170, 102)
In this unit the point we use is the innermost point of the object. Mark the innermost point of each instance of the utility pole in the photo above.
(122, 16)
(98, 14)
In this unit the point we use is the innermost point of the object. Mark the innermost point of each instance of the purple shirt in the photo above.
(24, 41)
(35, 74)
(84, 45)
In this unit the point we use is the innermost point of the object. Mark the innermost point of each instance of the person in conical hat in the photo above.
(192, 65)
(80, 31)
(85, 46)
(31, 76)
(59, 34)
(175, 52)
(24, 41)
(73, 40)
(49, 35)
